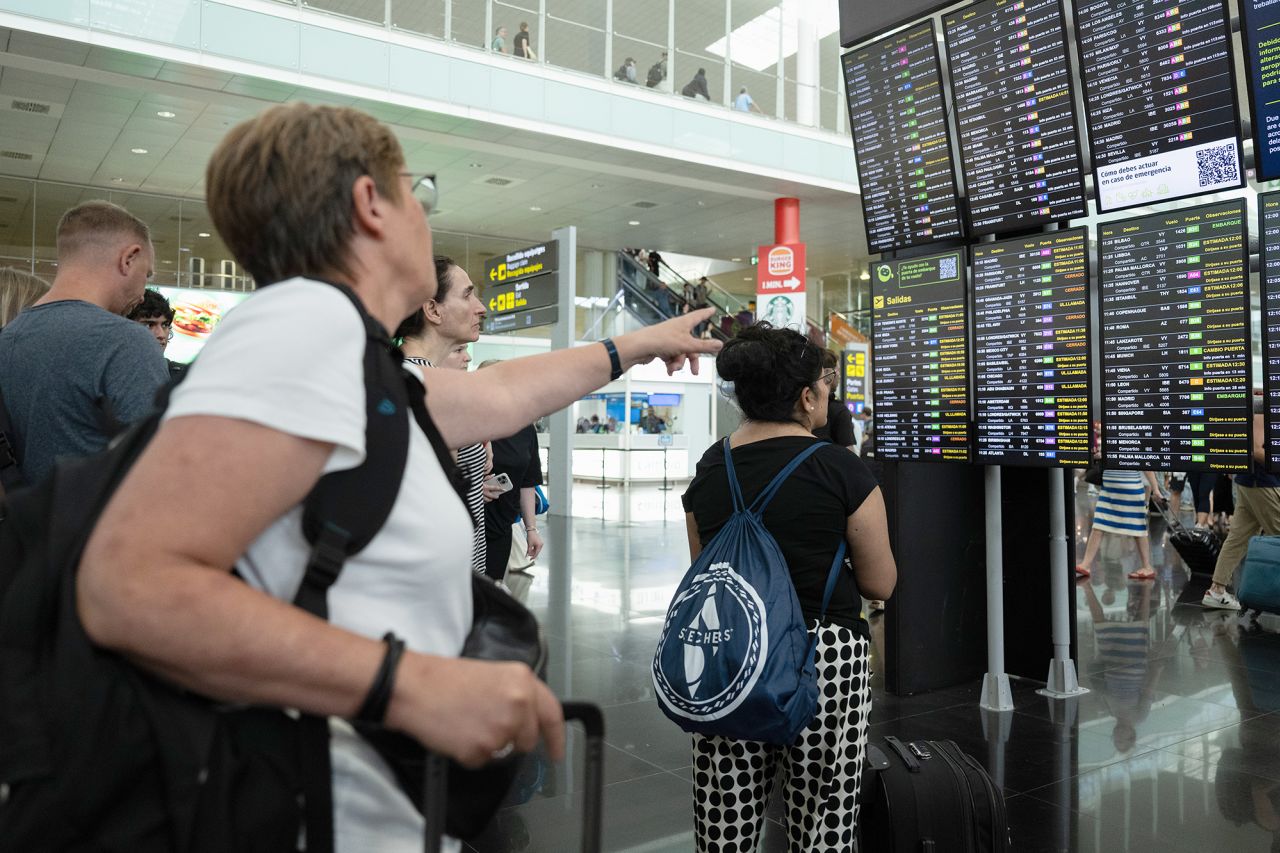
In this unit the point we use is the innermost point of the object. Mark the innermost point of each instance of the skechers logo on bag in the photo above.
(717, 614)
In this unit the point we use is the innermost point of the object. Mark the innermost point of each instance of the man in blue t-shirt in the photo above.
(744, 102)
(1257, 512)
(72, 368)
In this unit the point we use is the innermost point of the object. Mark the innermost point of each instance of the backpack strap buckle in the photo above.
(328, 554)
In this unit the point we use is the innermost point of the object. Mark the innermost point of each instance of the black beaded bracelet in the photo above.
(374, 709)
(615, 363)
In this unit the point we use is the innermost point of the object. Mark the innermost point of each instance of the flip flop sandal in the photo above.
(1148, 575)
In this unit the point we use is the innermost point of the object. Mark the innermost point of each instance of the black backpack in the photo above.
(98, 754)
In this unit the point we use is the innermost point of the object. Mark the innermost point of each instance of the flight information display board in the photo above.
(1031, 350)
(901, 141)
(920, 337)
(1015, 114)
(1176, 342)
(1260, 33)
(1160, 98)
(1269, 249)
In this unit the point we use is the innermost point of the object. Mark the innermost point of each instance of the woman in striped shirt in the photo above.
(431, 337)
(1122, 510)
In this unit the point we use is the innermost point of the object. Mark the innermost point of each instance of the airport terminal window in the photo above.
(30, 210)
(373, 11)
(424, 18)
(466, 25)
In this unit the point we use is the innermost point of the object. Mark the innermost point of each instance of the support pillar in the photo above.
(1062, 680)
(560, 449)
(996, 693)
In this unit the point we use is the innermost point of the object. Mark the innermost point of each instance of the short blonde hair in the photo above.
(92, 222)
(18, 290)
(279, 187)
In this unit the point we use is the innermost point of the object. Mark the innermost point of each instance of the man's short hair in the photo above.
(96, 222)
(279, 187)
(153, 305)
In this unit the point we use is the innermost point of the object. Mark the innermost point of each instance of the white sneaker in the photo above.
(1220, 600)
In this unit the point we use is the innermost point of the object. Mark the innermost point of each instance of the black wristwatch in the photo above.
(615, 363)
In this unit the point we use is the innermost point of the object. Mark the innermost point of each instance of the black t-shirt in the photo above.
(520, 47)
(839, 426)
(517, 457)
(807, 517)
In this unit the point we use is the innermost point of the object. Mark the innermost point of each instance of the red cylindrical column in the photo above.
(786, 220)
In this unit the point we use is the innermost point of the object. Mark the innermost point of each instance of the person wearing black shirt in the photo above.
(839, 426)
(697, 86)
(520, 44)
(782, 389)
(517, 457)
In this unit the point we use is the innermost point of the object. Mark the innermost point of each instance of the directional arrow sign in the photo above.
(523, 263)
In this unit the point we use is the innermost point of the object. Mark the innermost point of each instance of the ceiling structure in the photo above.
(94, 121)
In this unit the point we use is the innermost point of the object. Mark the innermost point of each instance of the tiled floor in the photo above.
(1178, 752)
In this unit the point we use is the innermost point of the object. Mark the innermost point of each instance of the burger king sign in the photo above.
(780, 291)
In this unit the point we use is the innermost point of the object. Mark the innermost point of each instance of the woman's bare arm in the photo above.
(500, 400)
(868, 536)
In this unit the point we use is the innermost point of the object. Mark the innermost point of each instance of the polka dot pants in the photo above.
(820, 772)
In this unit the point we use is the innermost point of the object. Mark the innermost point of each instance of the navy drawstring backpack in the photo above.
(735, 657)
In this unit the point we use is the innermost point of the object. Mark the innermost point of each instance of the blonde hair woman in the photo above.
(18, 290)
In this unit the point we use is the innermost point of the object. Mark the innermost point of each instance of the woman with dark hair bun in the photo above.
(782, 388)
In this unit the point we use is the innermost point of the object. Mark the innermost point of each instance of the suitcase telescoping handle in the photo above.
(592, 720)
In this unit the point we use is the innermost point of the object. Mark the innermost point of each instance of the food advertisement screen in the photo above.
(196, 313)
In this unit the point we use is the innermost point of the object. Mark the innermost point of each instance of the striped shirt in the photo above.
(1122, 506)
(472, 459)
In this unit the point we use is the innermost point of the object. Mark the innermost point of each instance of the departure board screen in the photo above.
(1015, 113)
(1031, 350)
(1260, 33)
(1269, 249)
(1176, 342)
(920, 338)
(901, 141)
(1160, 98)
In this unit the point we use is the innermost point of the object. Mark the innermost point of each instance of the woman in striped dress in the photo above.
(1122, 510)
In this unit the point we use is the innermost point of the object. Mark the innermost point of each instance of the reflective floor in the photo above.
(1175, 748)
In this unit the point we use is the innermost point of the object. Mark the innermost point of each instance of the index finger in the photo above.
(551, 721)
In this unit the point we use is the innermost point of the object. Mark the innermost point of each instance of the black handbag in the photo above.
(502, 629)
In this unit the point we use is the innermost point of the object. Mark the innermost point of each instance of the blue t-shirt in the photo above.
(743, 102)
(62, 366)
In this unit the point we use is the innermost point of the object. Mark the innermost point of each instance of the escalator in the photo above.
(651, 299)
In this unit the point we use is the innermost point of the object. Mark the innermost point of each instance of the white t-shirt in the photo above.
(291, 358)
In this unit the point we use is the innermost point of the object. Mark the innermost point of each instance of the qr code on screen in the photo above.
(947, 267)
(1218, 165)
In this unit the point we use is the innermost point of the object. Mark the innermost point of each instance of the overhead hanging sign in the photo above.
(523, 263)
(780, 286)
(521, 288)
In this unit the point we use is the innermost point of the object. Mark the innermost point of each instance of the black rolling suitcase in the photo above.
(1197, 547)
(592, 719)
(927, 796)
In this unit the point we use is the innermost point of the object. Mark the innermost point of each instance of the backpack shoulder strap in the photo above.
(340, 516)
(735, 491)
(346, 509)
(833, 576)
(766, 495)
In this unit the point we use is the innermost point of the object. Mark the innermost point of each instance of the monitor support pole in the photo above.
(1062, 681)
(996, 694)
